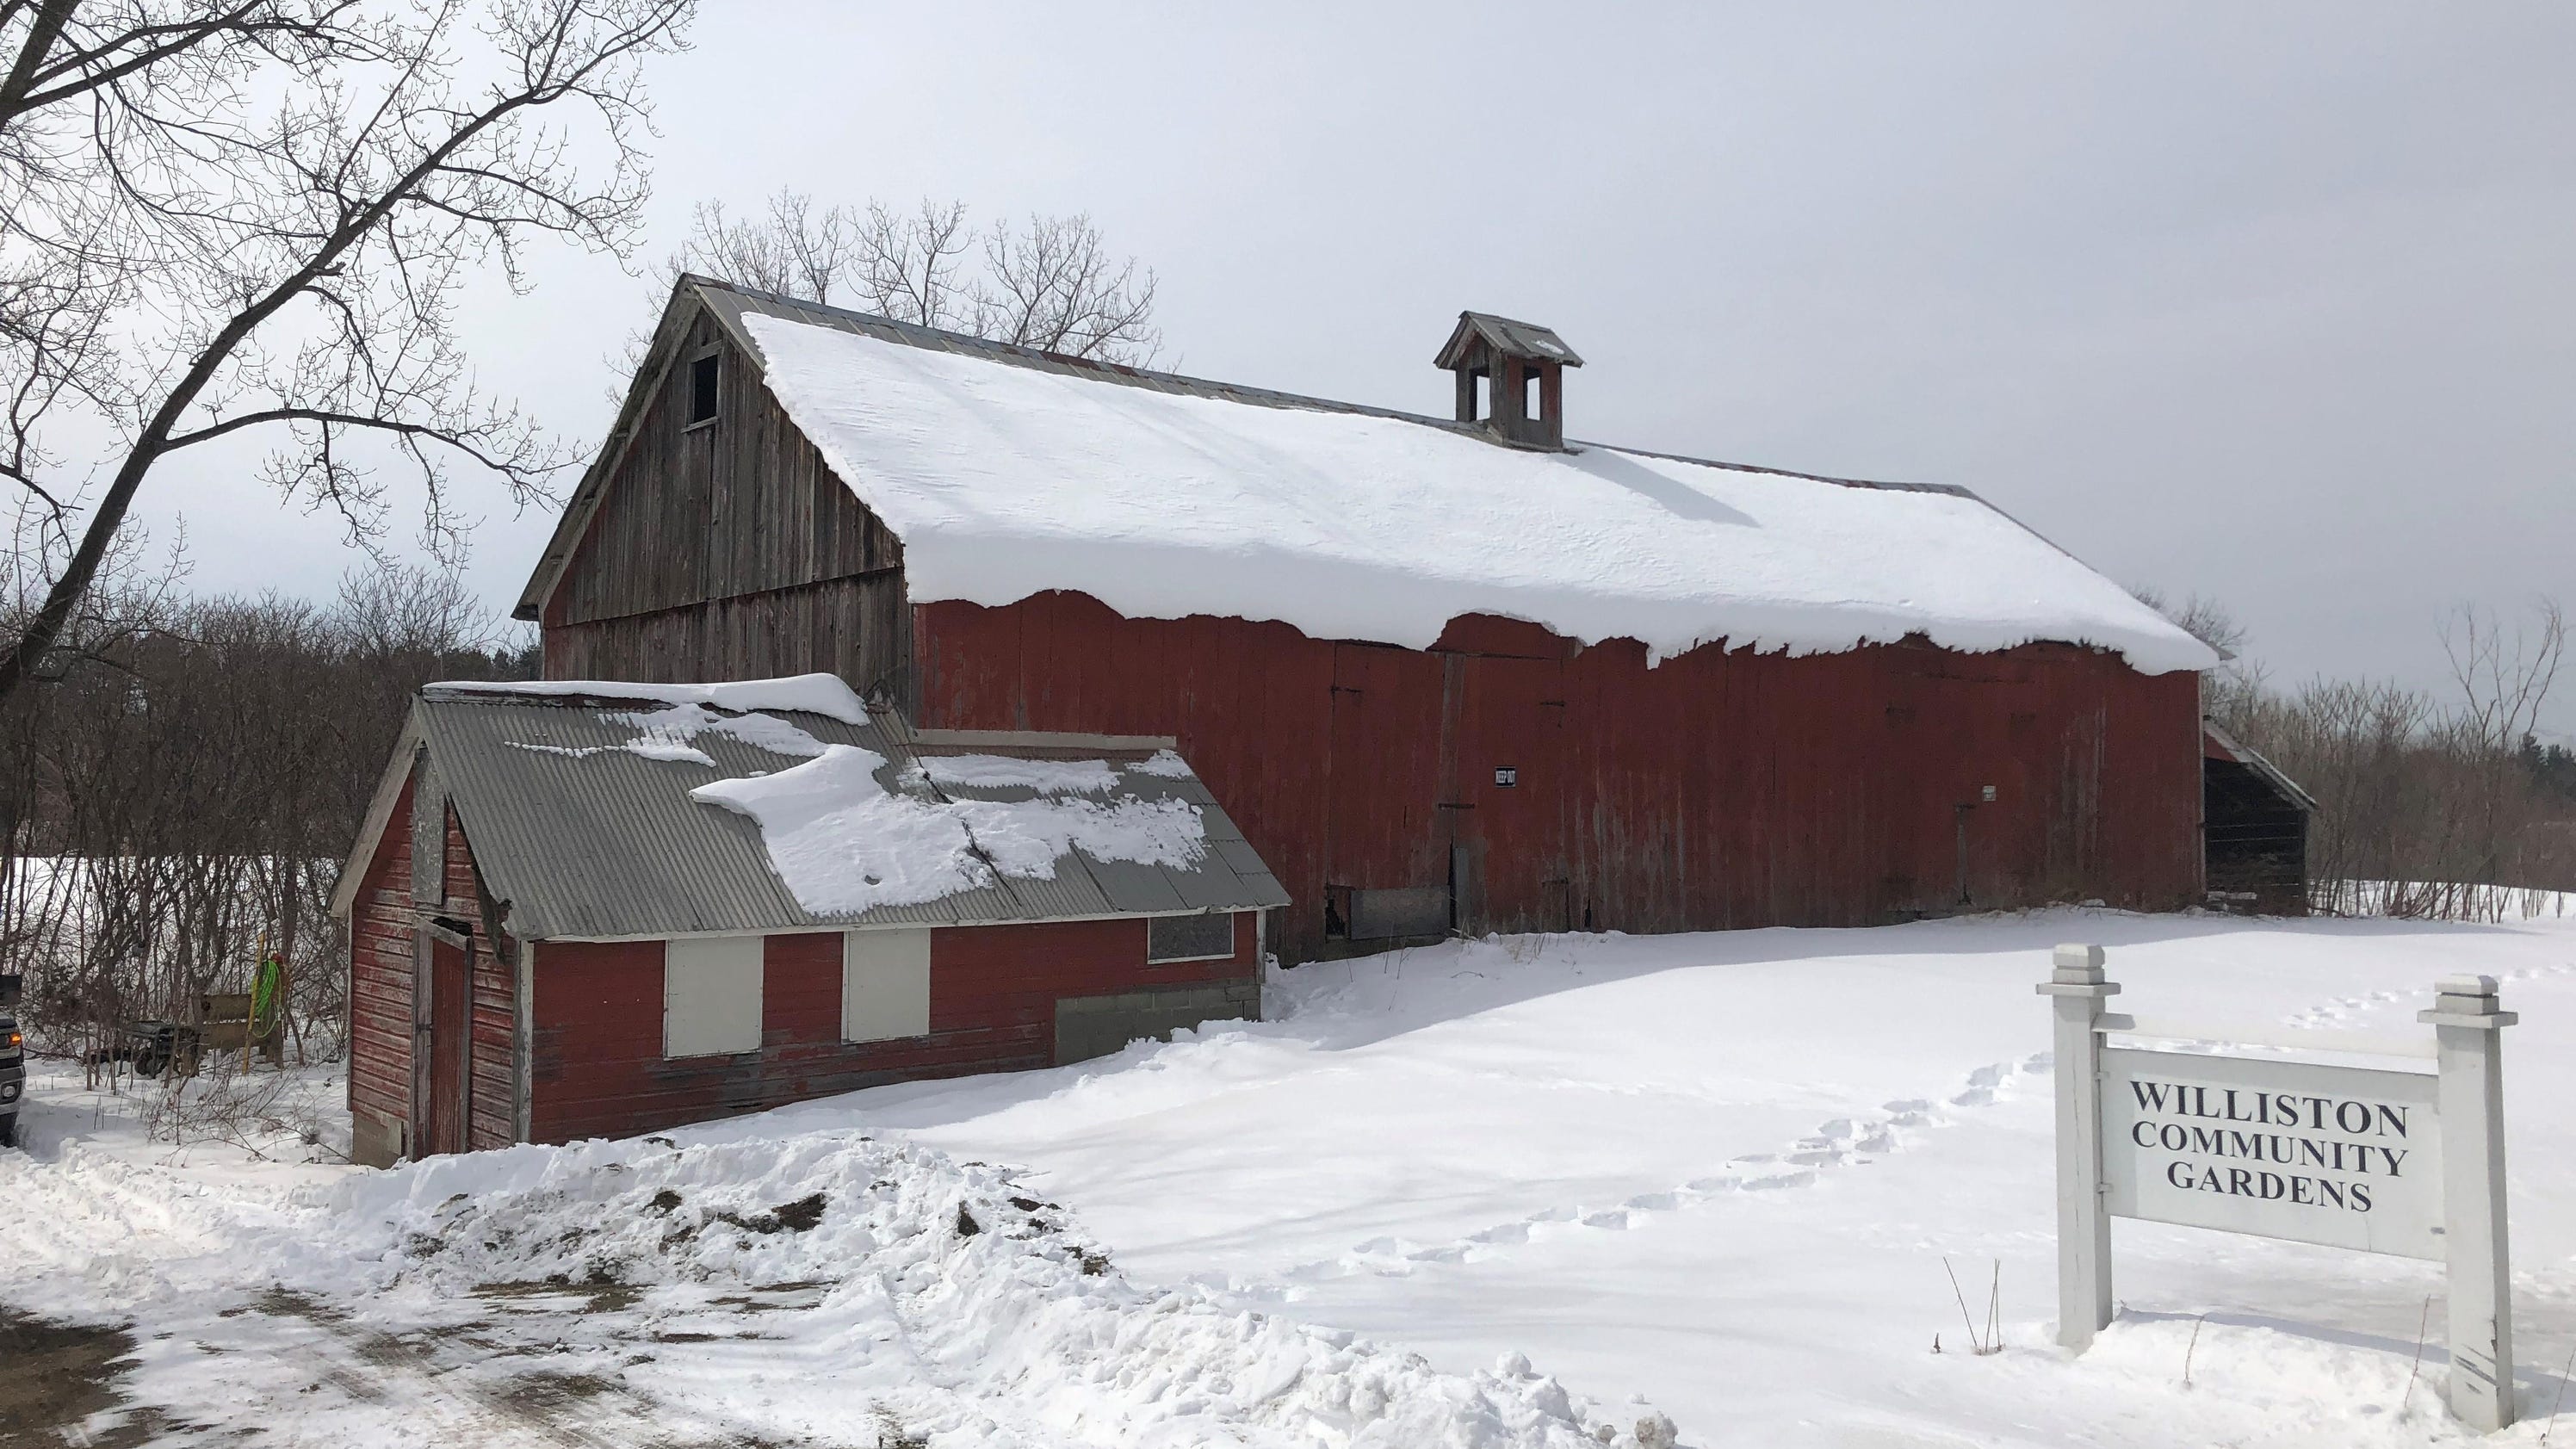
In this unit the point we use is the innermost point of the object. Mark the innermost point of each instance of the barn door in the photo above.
(1510, 764)
(1386, 865)
(450, 1025)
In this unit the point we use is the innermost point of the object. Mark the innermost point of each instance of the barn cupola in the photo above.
(1511, 378)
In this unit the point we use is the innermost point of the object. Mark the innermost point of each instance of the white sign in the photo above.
(2409, 1163)
(2350, 1157)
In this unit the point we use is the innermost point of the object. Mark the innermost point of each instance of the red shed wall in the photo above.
(1719, 789)
(383, 923)
(381, 919)
(596, 1063)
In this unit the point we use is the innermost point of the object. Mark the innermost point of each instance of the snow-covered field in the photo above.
(1509, 1192)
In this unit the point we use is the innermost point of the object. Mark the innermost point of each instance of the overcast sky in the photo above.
(2269, 303)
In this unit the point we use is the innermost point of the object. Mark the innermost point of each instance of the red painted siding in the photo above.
(493, 1048)
(380, 971)
(597, 1068)
(383, 923)
(1719, 789)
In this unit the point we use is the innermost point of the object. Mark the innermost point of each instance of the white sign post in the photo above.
(2409, 1163)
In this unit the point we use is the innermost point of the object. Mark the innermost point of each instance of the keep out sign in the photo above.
(2350, 1157)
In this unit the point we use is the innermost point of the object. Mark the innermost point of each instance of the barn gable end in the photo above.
(718, 547)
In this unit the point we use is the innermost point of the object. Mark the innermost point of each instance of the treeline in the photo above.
(2431, 802)
(182, 783)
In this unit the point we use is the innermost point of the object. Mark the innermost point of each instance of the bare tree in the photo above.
(795, 250)
(910, 265)
(273, 231)
(1051, 283)
(2229, 690)
(2503, 675)
(1052, 287)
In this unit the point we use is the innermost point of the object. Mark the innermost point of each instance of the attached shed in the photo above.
(2256, 829)
(597, 909)
(1462, 672)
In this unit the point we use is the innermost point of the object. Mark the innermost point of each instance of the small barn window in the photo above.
(885, 984)
(704, 374)
(711, 996)
(1189, 938)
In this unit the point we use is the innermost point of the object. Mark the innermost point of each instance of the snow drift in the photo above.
(935, 1266)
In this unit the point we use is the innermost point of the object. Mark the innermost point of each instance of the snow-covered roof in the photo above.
(603, 809)
(1007, 472)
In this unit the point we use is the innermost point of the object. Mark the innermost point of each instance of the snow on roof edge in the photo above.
(822, 694)
(976, 529)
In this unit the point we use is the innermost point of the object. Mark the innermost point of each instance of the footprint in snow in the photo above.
(1835, 1143)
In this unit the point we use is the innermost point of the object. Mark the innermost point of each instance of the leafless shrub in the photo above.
(222, 1102)
(1989, 1340)
(2436, 806)
(184, 792)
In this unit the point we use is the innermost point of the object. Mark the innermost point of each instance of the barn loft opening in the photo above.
(703, 377)
(1511, 378)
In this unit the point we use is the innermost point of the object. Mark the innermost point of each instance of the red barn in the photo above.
(605, 908)
(1448, 673)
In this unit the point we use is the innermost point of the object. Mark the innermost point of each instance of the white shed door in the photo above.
(710, 996)
(885, 984)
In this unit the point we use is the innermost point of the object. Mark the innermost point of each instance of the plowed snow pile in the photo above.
(941, 1274)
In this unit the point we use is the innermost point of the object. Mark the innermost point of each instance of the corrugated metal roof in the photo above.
(585, 838)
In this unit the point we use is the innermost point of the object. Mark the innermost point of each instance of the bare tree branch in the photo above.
(222, 214)
(1051, 284)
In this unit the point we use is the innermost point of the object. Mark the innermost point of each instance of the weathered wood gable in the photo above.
(725, 548)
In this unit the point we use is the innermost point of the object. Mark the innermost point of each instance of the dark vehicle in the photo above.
(13, 1061)
(154, 1046)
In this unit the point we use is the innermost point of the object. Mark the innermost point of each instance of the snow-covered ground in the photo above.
(1718, 1174)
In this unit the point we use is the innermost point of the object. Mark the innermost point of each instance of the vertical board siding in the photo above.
(494, 1060)
(1386, 799)
(597, 1068)
(1722, 788)
(727, 551)
(458, 887)
(859, 628)
(736, 506)
(383, 923)
(380, 972)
